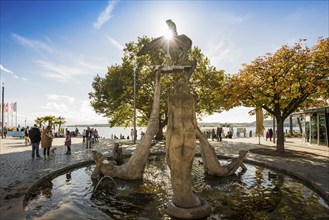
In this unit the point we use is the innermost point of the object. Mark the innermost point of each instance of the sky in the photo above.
(52, 50)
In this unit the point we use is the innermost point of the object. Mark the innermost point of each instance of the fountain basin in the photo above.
(258, 193)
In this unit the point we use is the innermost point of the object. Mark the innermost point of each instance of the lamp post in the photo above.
(2, 108)
(135, 131)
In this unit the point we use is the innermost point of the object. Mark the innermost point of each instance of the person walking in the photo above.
(68, 142)
(35, 137)
(84, 136)
(219, 133)
(5, 130)
(267, 135)
(88, 138)
(46, 141)
(26, 134)
(213, 134)
(270, 131)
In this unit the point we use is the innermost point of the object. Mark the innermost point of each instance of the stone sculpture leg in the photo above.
(211, 163)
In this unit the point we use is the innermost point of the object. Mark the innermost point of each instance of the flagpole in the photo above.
(12, 114)
(16, 112)
(8, 122)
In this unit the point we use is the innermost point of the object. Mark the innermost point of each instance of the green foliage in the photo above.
(113, 94)
(50, 120)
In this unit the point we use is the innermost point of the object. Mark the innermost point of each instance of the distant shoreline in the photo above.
(267, 123)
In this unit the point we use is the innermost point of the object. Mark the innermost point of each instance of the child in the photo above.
(68, 142)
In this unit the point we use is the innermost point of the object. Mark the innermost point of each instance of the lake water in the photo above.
(107, 132)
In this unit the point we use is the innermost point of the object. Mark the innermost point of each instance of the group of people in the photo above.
(45, 137)
(89, 136)
(215, 134)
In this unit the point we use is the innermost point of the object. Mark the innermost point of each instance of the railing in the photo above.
(20, 134)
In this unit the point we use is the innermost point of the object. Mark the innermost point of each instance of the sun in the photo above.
(167, 33)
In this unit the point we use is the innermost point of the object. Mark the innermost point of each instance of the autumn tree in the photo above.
(290, 79)
(113, 94)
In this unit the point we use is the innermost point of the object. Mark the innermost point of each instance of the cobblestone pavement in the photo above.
(18, 172)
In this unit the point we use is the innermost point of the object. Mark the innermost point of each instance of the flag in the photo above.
(6, 107)
(15, 107)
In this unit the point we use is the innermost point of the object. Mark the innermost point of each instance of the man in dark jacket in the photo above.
(35, 137)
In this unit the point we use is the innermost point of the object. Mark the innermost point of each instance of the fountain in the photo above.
(180, 136)
(127, 181)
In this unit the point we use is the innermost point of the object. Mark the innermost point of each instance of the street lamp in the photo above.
(135, 131)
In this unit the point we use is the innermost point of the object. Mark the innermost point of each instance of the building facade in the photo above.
(317, 126)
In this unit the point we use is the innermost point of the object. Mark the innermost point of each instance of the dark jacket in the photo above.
(35, 135)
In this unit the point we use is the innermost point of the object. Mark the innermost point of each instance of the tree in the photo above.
(112, 96)
(39, 121)
(283, 82)
(51, 120)
(60, 121)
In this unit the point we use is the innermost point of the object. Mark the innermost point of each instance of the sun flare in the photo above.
(167, 34)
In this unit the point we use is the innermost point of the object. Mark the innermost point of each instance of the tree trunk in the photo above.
(280, 133)
(59, 128)
(134, 168)
(291, 130)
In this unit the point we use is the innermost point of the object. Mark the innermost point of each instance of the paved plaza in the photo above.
(18, 172)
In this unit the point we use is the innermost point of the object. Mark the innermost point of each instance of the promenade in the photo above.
(18, 172)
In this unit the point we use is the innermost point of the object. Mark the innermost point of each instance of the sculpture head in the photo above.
(172, 27)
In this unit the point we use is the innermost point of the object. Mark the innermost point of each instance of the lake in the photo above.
(107, 132)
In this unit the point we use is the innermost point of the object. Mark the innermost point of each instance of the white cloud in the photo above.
(68, 68)
(74, 111)
(224, 54)
(2, 68)
(61, 98)
(55, 107)
(115, 43)
(105, 15)
(37, 45)
(6, 70)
